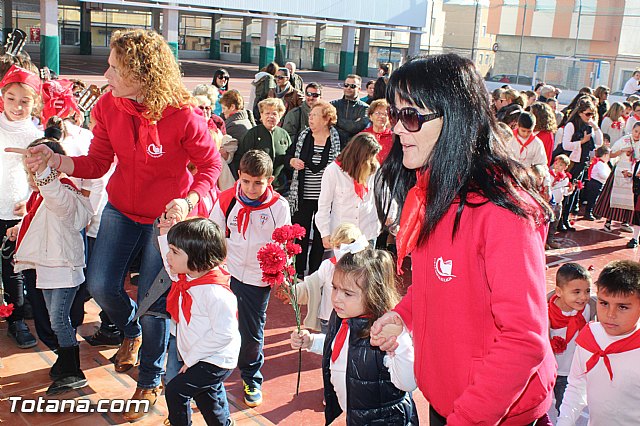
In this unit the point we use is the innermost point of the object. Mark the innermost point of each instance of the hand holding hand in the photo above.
(177, 209)
(165, 224)
(385, 330)
(300, 340)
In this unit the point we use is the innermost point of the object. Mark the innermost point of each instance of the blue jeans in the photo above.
(173, 363)
(252, 315)
(59, 301)
(119, 241)
(204, 383)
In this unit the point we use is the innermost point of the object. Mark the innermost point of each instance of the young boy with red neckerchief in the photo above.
(249, 212)
(606, 364)
(570, 309)
(525, 146)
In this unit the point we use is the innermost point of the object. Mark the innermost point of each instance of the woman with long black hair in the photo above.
(475, 228)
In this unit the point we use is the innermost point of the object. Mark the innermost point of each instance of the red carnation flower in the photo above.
(274, 280)
(272, 258)
(298, 231)
(6, 310)
(558, 345)
(292, 248)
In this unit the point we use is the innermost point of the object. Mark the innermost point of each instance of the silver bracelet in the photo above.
(189, 203)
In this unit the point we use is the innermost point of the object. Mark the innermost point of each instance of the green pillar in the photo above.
(50, 53)
(267, 55)
(318, 59)
(173, 45)
(85, 42)
(85, 29)
(245, 52)
(362, 67)
(214, 49)
(281, 54)
(214, 41)
(347, 59)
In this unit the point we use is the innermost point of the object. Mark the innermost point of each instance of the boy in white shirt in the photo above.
(249, 212)
(606, 365)
(525, 146)
(599, 172)
(204, 311)
(560, 186)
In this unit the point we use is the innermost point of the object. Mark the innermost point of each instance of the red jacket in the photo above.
(548, 141)
(147, 178)
(385, 139)
(478, 313)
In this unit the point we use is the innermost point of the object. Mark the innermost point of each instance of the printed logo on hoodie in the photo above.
(155, 151)
(443, 269)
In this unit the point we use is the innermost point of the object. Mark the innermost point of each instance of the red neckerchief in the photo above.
(617, 124)
(559, 176)
(148, 129)
(268, 199)
(33, 204)
(179, 288)
(341, 337)
(413, 213)
(587, 341)
(558, 320)
(525, 144)
(58, 99)
(594, 161)
(333, 260)
(360, 189)
(636, 116)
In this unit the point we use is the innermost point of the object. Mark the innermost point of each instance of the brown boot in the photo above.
(127, 355)
(138, 411)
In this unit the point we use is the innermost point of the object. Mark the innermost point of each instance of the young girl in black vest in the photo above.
(370, 385)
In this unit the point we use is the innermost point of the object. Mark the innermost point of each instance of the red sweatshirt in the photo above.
(147, 178)
(478, 313)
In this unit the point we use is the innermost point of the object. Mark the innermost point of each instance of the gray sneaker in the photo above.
(625, 227)
(19, 331)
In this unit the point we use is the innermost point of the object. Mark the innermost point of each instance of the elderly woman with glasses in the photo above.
(476, 309)
(317, 146)
(380, 127)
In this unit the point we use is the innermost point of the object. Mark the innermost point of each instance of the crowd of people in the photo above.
(187, 187)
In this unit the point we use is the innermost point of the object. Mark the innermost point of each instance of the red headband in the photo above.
(58, 99)
(21, 75)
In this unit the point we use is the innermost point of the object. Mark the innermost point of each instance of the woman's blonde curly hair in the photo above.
(147, 58)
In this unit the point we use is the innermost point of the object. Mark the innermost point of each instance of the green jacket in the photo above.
(274, 143)
(296, 121)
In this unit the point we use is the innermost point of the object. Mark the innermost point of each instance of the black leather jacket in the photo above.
(352, 118)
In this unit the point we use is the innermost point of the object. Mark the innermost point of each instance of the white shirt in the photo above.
(575, 146)
(614, 134)
(564, 359)
(325, 273)
(13, 179)
(631, 86)
(212, 334)
(339, 203)
(400, 365)
(600, 172)
(631, 121)
(610, 402)
(532, 154)
(558, 190)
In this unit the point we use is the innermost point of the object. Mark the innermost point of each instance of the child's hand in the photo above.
(35, 158)
(12, 233)
(386, 338)
(165, 224)
(183, 369)
(326, 242)
(300, 340)
(20, 209)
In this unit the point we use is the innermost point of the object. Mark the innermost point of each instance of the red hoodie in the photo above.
(478, 313)
(147, 178)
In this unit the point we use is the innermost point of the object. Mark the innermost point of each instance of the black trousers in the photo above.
(202, 382)
(305, 217)
(592, 189)
(12, 281)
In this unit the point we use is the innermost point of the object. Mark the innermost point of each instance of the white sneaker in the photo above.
(625, 227)
(607, 227)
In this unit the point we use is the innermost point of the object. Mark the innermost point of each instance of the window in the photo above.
(545, 5)
(226, 48)
(585, 6)
(514, 3)
(484, 31)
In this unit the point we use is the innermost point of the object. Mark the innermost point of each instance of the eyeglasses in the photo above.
(588, 114)
(381, 113)
(204, 108)
(221, 77)
(313, 95)
(353, 86)
(411, 119)
(281, 77)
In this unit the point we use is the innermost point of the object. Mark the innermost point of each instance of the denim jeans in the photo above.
(204, 383)
(13, 281)
(59, 301)
(252, 315)
(173, 363)
(118, 242)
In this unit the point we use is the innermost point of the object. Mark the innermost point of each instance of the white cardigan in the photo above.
(13, 180)
(53, 238)
(338, 203)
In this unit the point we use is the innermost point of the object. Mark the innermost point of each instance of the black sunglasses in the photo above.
(353, 86)
(588, 114)
(280, 77)
(411, 119)
(222, 77)
(313, 95)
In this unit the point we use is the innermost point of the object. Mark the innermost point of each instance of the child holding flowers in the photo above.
(250, 212)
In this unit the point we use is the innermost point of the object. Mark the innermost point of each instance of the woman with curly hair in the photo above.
(546, 126)
(149, 122)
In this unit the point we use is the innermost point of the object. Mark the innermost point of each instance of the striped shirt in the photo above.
(313, 181)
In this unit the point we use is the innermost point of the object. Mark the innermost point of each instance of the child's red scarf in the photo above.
(594, 161)
(179, 288)
(558, 320)
(587, 341)
(525, 144)
(360, 189)
(559, 176)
